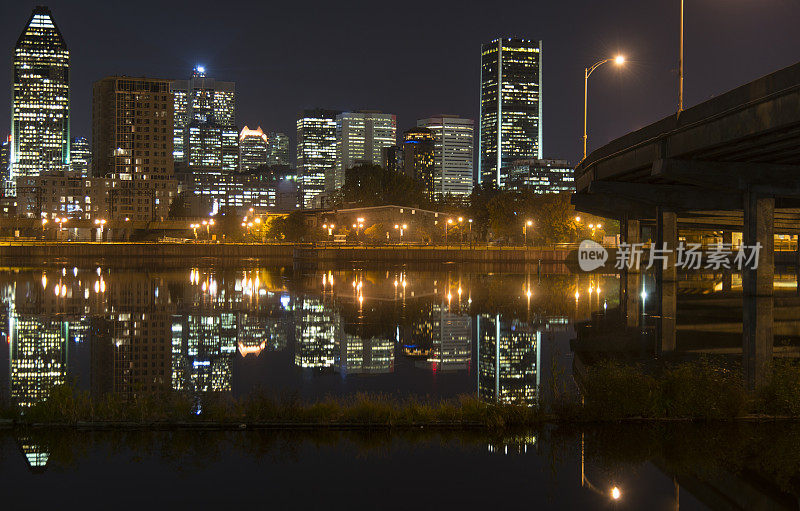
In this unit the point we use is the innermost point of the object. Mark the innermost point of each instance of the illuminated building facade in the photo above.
(357, 355)
(316, 152)
(509, 353)
(5, 158)
(205, 101)
(38, 356)
(211, 145)
(253, 149)
(452, 156)
(40, 140)
(539, 176)
(361, 137)
(419, 146)
(510, 106)
(278, 148)
(132, 122)
(80, 156)
(317, 327)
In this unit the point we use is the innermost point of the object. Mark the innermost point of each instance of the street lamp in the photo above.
(525, 230)
(402, 228)
(618, 60)
(449, 222)
(194, 227)
(102, 224)
(60, 221)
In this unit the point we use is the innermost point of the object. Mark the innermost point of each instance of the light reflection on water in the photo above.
(310, 333)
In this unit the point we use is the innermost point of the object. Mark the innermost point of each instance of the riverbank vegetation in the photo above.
(610, 391)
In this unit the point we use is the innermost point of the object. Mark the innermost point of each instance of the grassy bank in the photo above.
(610, 392)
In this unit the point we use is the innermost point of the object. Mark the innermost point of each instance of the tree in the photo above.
(372, 185)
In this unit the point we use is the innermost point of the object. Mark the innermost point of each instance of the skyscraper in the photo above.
(40, 109)
(80, 155)
(510, 105)
(452, 154)
(360, 137)
(132, 121)
(253, 149)
(418, 152)
(205, 117)
(316, 151)
(278, 148)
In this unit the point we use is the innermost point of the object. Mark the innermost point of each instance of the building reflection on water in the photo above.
(129, 332)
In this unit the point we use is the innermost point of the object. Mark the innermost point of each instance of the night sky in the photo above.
(418, 59)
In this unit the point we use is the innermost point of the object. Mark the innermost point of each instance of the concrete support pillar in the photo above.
(757, 289)
(667, 279)
(631, 278)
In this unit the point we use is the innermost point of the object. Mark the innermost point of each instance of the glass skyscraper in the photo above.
(452, 154)
(80, 156)
(316, 151)
(278, 153)
(205, 120)
(253, 149)
(40, 140)
(361, 137)
(511, 105)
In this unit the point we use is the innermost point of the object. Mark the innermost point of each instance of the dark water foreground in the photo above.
(667, 466)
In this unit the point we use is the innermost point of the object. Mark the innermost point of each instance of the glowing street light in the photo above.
(525, 230)
(618, 60)
(402, 229)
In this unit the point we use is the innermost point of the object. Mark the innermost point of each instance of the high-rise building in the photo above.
(278, 148)
(509, 360)
(452, 154)
(210, 146)
(418, 151)
(80, 154)
(209, 106)
(132, 121)
(510, 105)
(361, 137)
(253, 149)
(5, 158)
(539, 176)
(316, 152)
(40, 109)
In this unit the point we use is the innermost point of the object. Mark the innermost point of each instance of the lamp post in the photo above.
(44, 221)
(402, 228)
(60, 221)
(470, 232)
(618, 60)
(102, 224)
(460, 231)
(525, 226)
(449, 222)
(194, 227)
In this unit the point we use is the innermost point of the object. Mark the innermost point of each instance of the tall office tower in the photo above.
(509, 360)
(361, 137)
(80, 155)
(132, 121)
(5, 158)
(278, 148)
(40, 108)
(317, 326)
(253, 149)
(540, 176)
(203, 101)
(511, 106)
(38, 356)
(418, 152)
(316, 152)
(452, 154)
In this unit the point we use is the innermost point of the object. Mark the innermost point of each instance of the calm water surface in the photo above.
(360, 328)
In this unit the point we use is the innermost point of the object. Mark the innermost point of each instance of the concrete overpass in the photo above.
(731, 163)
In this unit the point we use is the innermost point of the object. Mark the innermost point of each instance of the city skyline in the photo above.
(627, 99)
